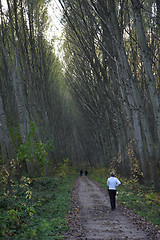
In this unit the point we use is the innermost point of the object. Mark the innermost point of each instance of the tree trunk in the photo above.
(150, 84)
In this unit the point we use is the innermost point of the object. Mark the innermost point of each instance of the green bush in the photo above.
(37, 210)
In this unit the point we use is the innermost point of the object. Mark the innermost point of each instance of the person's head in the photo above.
(112, 174)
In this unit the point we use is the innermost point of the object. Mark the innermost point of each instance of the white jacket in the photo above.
(113, 182)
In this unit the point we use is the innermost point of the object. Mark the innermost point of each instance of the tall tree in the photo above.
(103, 35)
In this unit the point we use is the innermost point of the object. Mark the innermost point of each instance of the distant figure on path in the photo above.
(86, 173)
(81, 172)
(113, 182)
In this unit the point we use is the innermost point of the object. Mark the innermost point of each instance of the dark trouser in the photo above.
(112, 195)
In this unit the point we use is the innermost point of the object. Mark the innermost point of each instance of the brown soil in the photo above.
(91, 216)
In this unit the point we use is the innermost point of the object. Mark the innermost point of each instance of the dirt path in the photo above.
(91, 216)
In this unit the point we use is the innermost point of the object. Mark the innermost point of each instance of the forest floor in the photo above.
(91, 216)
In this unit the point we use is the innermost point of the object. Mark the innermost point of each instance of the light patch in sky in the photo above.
(55, 14)
(4, 5)
(55, 29)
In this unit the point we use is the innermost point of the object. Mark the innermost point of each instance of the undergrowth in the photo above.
(141, 199)
(37, 209)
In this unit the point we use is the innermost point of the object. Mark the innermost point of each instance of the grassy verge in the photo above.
(142, 200)
(37, 210)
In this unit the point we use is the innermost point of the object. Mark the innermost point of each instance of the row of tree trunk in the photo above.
(112, 69)
(31, 92)
(108, 115)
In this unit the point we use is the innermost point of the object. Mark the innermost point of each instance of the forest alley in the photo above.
(94, 218)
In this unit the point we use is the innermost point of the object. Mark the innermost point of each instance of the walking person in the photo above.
(81, 172)
(113, 182)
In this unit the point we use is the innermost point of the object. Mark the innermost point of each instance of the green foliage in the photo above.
(34, 149)
(136, 172)
(143, 200)
(64, 168)
(3, 177)
(16, 210)
(99, 175)
(6, 173)
(15, 135)
(37, 210)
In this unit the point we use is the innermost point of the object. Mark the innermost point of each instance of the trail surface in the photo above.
(91, 216)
